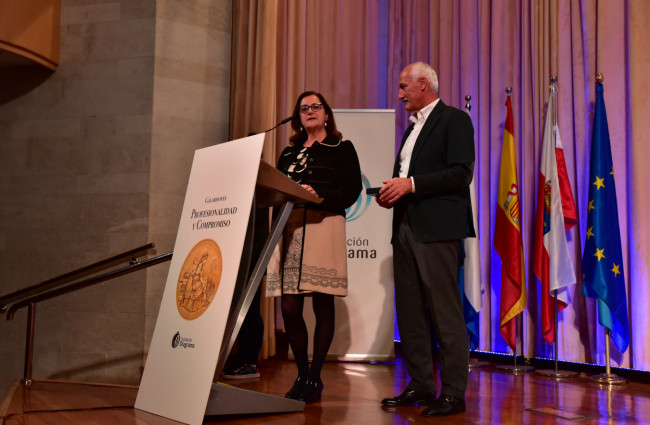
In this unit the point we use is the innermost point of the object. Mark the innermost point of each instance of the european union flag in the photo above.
(602, 260)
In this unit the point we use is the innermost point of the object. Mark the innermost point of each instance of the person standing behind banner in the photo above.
(243, 363)
(429, 193)
(314, 251)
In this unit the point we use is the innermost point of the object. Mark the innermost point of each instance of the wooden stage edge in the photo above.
(352, 395)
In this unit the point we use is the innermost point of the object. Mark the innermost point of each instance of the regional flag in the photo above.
(602, 261)
(469, 277)
(556, 214)
(507, 237)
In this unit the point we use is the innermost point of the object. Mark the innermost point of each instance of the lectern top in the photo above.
(274, 188)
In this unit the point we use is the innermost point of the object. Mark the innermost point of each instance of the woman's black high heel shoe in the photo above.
(311, 391)
(296, 389)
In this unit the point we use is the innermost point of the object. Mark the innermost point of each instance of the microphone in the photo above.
(284, 121)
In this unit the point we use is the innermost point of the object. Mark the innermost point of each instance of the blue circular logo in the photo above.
(362, 203)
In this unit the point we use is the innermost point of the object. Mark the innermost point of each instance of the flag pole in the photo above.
(472, 364)
(555, 373)
(515, 368)
(608, 377)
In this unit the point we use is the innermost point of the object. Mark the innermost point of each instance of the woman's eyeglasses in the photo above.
(315, 107)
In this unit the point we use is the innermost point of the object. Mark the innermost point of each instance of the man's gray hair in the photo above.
(421, 69)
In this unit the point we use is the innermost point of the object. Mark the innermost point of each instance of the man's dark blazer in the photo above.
(442, 165)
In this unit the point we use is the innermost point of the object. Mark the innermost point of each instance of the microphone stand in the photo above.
(284, 121)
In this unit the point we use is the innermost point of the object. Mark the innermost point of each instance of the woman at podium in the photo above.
(314, 252)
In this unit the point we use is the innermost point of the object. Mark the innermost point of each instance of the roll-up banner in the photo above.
(365, 319)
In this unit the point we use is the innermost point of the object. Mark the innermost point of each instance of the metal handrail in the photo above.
(65, 278)
(133, 267)
(51, 289)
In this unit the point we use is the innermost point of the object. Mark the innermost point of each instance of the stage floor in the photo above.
(352, 395)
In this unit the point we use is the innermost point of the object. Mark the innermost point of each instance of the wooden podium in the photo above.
(272, 189)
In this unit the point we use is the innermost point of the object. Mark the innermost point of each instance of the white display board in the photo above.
(189, 331)
(365, 318)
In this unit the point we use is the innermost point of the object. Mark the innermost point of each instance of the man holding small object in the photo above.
(432, 213)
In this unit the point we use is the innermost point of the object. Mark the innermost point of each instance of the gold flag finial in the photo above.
(508, 90)
(599, 77)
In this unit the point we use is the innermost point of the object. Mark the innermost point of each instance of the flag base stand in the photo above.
(515, 369)
(553, 373)
(474, 363)
(477, 364)
(608, 379)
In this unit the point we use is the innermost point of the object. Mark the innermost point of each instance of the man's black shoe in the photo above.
(445, 405)
(410, 397)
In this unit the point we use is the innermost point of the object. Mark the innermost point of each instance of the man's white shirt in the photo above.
(418, 119)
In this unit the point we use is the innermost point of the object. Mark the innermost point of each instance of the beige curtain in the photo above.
(638, 105)
(352, 51)
(282, 48)
(253, 94)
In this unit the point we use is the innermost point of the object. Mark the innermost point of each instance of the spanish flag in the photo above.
(507, 237)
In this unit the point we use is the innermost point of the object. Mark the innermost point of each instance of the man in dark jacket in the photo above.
(432, 213)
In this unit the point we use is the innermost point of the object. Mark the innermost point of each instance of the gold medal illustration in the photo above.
(199, 279)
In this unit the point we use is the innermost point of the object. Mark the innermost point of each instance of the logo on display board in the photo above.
(199, 279)
(184, 342)
(362, 203)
